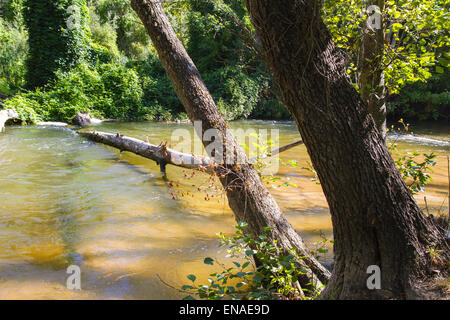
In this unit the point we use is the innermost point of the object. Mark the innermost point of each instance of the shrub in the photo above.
(159, 97)
(103, 36)
(235, 92)
(111, 91)
(25, 108)
(416, 173)
(213, 35)
(123, 99)
(273, 278)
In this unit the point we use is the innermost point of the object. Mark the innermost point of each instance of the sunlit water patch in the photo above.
(65, 200)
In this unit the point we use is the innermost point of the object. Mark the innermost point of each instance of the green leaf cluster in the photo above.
(273, 277)
(108, 91)
(416, 37)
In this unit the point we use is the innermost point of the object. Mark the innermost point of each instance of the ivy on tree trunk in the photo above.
(59, 37)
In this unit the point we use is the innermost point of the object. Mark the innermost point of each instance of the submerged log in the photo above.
(160, 153)
(6, 115)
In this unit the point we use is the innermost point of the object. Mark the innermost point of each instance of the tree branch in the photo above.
(161, 154)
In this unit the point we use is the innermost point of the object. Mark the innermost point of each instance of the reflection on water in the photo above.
(64, 200)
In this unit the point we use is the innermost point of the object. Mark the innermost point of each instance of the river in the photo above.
(65, 200)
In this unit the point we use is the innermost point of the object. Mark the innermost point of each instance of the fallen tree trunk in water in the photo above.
(6, 115)
(160, 153)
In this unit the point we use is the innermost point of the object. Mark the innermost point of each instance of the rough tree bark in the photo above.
(247, 196)
(376, 221)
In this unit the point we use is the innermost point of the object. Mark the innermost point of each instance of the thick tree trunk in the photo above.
(247, 196)
(376, 221)
(370, 72)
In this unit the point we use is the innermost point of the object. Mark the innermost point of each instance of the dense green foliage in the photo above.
(13, 52)
(230, 68)
(59, 37)
(416, 47)
(107, 91)
(158, 93)
(83, 81)
(80, 68)
(428, 100)
(119, 20)
(13, 47)
(56, 62)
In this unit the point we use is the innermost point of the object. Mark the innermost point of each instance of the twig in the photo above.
(172, 287)
(426, 205)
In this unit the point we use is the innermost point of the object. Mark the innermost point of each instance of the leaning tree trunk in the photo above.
(370, 73)
(247, 196)
(376, 221)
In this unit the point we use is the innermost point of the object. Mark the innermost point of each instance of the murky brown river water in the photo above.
(65, 200)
